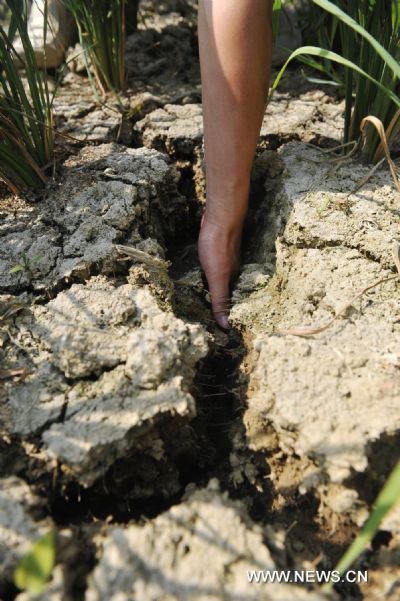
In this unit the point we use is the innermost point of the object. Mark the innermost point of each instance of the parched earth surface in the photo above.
(172, 458)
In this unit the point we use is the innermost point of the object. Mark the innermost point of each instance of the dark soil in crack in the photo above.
(220, 390)
(309, 536)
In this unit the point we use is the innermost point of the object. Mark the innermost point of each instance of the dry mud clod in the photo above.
(21, 523)
(185, 554)
(107, 366)
(110, 195)
(328, 396)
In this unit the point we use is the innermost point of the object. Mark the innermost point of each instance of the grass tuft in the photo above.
(26, 120)
(359, 50)
(101, 25)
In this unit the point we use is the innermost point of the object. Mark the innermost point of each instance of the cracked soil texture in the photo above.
(171, 457)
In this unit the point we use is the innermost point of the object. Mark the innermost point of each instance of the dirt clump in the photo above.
(22, 521)
(184, 554)
(106, 367)
(110, 194)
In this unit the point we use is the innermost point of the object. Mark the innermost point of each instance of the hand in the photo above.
(219, 254)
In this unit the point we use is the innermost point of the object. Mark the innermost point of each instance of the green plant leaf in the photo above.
(17, 268)
(367, 34)
(328, 54)
(36, 566)
(276, 9)
(345, 18)
(386, 500)
(26, 123)
(101, 25)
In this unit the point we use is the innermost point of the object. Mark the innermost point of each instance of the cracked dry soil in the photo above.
(169, 456)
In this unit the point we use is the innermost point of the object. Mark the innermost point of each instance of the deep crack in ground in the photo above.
(220, 389)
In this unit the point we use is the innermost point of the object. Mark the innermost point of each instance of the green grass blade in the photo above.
(345, 18)
(276, 10)
(102, 32)
(332, 56)
(386, 500)
(26, 126)
(36, 566)
(367, 35)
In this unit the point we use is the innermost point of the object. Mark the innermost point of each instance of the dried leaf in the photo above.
(12, 373)
(377, 123)
(11, 310)
(142, 256)
(366, 177)
(390, 132)
(396, 255)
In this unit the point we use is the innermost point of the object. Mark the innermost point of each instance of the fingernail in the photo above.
(223, 321)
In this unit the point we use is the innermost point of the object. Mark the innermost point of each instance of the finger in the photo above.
(220, 302)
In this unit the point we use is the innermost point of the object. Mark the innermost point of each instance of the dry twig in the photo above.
(10, 310)
(143, 257)
(310, 331)
(19, 372)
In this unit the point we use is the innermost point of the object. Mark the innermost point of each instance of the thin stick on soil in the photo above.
(311, 331)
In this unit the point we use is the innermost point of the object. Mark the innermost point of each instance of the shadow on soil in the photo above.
(219, 436)
(221, 395)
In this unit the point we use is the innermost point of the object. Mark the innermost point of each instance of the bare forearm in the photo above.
(235, 53)
(235, 39)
